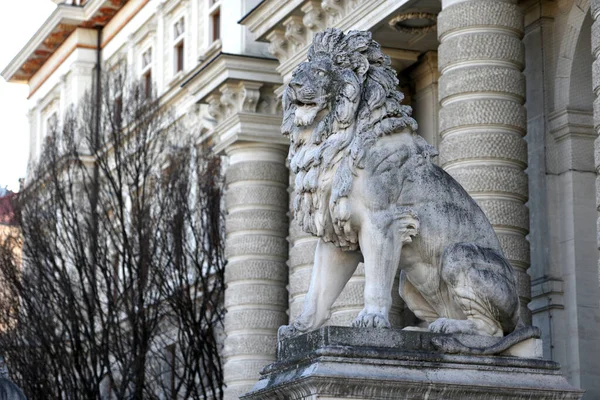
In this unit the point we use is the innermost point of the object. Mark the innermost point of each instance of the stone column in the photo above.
(256, 249)
(247, 131)
(482, 118)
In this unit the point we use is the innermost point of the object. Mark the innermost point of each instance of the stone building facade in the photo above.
(507, 91)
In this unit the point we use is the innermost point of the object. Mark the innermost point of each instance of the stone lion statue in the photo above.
(365, 185)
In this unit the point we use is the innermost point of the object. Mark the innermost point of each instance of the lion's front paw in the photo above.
(445, 325)
(371, 320)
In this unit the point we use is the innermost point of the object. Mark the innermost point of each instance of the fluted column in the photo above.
(482, 118)
(256, 275)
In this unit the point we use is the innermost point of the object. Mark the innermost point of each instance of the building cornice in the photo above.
(232, 67)
(54, 32)
(240, 92)
(276, 10)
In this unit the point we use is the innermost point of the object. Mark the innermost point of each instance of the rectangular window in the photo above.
(118, 110)
(147, 79)
(214, 19)
(147, 58)
(179, 55)
(216, 25)
(147, 72)
(52, 123)
(178, 45)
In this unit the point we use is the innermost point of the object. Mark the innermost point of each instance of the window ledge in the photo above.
(210, 50)
(176, 78)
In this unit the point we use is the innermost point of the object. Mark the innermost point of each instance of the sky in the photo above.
(19, 20)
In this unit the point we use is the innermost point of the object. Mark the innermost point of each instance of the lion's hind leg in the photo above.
(482, 283)
(415, 301)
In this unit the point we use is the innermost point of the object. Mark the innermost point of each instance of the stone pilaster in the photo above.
(247, 131)
(483, 120)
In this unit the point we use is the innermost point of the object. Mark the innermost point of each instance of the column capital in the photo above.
(245, 111)
(241, 98)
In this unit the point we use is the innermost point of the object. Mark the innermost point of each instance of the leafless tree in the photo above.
(121, 283)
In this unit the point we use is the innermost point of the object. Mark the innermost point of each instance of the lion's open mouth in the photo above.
(306, 112)
(309, 104)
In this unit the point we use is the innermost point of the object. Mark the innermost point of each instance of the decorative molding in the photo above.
(240, 96)
(568, 123)
(148, 30)
(314, 17)
(231, 67)
(168, 6)
(401, 22)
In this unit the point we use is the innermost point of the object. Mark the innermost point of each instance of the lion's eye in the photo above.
(320, 73)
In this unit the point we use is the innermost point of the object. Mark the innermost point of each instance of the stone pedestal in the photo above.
(352, 363)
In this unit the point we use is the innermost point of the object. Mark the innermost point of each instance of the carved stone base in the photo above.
(361, 363)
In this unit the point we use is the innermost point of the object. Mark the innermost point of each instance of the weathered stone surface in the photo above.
(263, 195)
(257, 171)
(482, 79)
(504, 179)
(257, 318)
(481, 13)
(343, 363)
(264, 220)
(256, 269)
(256, 275)
(483, 112)
(255, 293)
(489, 145)
(480, 46)
(256, 244)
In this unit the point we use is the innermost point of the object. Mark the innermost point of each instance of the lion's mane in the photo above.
(366, 106)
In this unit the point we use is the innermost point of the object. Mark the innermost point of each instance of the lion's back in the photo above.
(447, 213)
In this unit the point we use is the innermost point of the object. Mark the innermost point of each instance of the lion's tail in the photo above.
(452, 345)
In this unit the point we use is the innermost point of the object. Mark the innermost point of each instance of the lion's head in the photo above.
(336, 106)
(347, 82)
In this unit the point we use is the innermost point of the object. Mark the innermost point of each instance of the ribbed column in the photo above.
(256, 275)
(483, 121)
